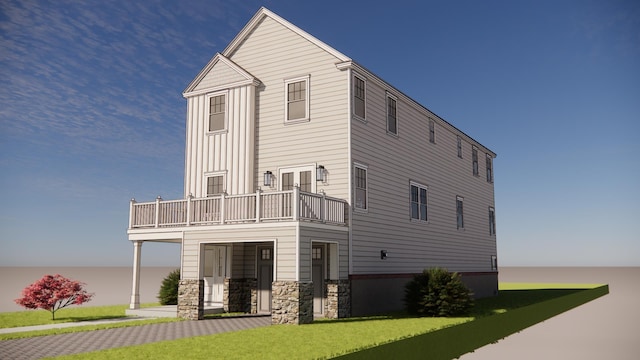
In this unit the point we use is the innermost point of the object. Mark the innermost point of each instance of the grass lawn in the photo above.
(396, 335)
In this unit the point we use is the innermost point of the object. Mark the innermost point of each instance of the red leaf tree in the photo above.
(53, 292)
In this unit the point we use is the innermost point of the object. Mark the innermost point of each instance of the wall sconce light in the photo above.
(320, 173)
(383, 254)
(267, 178)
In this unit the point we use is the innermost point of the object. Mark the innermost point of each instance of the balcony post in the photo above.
(158, 199)
(189, 198)
(223, 207)
(131, 213)
(135, 286)
(323, 201)
(258, 204)
(295, 199)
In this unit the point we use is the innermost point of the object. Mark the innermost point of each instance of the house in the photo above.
(313, 188)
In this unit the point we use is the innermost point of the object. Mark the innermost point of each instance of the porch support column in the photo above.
(135, 288)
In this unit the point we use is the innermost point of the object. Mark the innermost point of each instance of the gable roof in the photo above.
(264, 12)
(242, 76)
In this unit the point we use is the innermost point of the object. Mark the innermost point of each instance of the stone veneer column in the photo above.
(338, 304)
(191, 299)
(292, 302)
(240, 295)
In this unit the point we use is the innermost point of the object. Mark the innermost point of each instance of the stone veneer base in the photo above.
(292, 302)
(338, 299)
(191, 299)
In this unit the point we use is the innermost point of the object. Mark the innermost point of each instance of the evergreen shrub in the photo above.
(437, 293)
(168, 294)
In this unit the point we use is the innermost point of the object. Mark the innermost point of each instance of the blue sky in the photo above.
(91, 113)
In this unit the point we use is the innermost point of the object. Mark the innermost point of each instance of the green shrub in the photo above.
(437, 292)
(168, 294)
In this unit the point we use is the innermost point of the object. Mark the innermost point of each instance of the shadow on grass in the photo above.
(496, 318)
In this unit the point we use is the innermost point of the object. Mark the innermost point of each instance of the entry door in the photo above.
(318, 275)
(265, 278)
(215, 266)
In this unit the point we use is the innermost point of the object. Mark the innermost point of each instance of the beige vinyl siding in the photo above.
(283, 235)
(221, 74)
(323, 139)
(231, 151)
(395, 161)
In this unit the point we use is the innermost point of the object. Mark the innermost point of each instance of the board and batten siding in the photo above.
(322, 140)
(395, 161)
(284, 236)
(229, 152)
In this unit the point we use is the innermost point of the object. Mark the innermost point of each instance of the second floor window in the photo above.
(459, 213)
(215, 185)
(359, 97)
(297, 99)
(418, 202)
(489, 169)
(392, 115)
(459, 147)
(217, 110)
(492, 221)
(360, 184)
(474, 156)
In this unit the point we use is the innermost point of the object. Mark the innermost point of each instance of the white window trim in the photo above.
(353, 108)
(209, 174)
(418, 185)
(355, 208)
(492, 210)
(432, 124)
(297, 170)
(226, 112)
(307, 117)
(489, 168)
(386, 112)
(476, 172)
(461, 199)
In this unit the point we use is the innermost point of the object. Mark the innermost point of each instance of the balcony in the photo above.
(260, 207)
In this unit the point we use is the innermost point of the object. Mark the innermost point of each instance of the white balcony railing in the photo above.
(292, 205)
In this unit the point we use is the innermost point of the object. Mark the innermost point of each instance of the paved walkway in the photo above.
(73, 343)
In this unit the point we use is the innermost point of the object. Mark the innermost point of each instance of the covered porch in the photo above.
(282, 253)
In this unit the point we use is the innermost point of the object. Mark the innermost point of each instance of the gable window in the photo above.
(358, 97)
(217, 113)
(459, 213)
(418, 202)
(360, 183)
(489, 168)
(297, 99)
(492, 221)
(459, 147)
(392, 115)
(474, 156)
(432, 132)
(215, 185)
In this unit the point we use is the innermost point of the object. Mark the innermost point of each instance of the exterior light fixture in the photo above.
(320, 173)
(383, 254)
(267, 178)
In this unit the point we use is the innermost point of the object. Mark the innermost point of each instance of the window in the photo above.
(360, 181)
(418, 202)
(432, 132)
(358, 97)
(215, 185)
(494, 262)
(492, 221)
(265, 254)
(316, 253)
(459, 147)
(489, 168)
(217, 112)
(297, 99)
(459, 213)
(392, 115)
(474, 155)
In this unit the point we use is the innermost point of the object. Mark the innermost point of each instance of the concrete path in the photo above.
(73, 343)
(605, 328)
